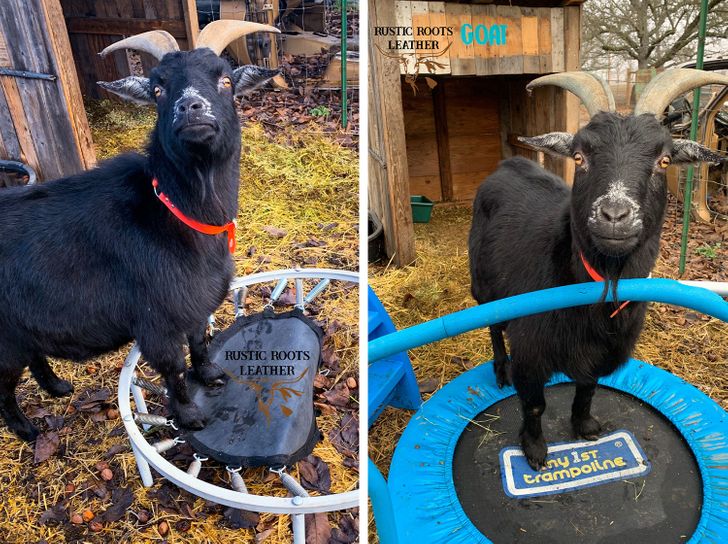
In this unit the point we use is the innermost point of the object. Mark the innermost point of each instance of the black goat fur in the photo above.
(527, 234)
(92, 261)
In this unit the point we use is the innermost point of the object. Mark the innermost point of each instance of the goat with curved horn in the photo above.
(219, 34)
(668, 85)
(589, 88)
(155, 42)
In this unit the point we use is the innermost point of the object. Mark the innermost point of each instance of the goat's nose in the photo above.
(192, 104)
(616, 211)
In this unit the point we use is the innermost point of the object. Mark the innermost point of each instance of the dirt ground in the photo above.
(690, 345)
(298, 207)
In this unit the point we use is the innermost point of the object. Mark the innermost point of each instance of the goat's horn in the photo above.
(219, 34)
(670, 84)
(155, 42)
(589, 88)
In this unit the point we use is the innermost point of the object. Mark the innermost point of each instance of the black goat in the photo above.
(94, 260)
(531, 232)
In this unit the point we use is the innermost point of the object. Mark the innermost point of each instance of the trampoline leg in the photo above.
(382, 506)
(143, 467)
(299, 528)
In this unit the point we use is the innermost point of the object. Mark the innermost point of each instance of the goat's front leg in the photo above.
(530, 391)
(581, 419)
(47, 379)
(209, 373)
(167, 358)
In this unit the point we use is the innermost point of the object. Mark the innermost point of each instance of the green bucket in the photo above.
(421, 208)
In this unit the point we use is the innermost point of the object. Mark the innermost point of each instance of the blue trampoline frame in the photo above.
(421, 489)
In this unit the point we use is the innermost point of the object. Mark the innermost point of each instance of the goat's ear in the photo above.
(556, 143)
(133, 88)
(689, 152)
(249, 77)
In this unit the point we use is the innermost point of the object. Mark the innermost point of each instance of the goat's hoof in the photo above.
(188, 415)
(587, 428)
(502, 374)
(27, 432)
(503, 381)
(60, 388)
(535, 451)
(211, 375)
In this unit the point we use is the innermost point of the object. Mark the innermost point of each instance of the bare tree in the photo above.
(651, 32)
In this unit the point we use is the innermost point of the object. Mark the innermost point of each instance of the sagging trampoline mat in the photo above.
(662, 507)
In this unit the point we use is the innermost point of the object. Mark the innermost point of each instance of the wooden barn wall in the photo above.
(42, 123)
(94, 25)
(453, 134)
(458, 131)
(423, 163)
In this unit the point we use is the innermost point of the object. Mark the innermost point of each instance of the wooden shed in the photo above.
(49, 61)
(42, 118)
(444, 112)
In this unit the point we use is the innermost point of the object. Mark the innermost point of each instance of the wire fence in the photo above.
(308, 49)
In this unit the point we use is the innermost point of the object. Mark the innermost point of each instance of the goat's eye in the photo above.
(664, 162)
(227, 82)
(157, 91)
(578, 159)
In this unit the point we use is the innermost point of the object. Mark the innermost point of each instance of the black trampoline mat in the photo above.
(667, 508)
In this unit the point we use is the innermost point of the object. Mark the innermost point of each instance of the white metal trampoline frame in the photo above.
(147, 457)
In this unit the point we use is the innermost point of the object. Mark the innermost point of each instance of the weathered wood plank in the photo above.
(462, 57)
(557, 40)
(68, 80)
(124, 27)
(529, 39)
(402, 18)
(10, 144)
(438, 19)
(486, 60)
(511, 56)
(17, 114)
(544, 40)
(389, 179)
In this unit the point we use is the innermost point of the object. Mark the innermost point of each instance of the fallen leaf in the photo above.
(315, 474)
(55, 514)
(121, 499)
(428, 385)
(45, 446)
(54, 422)
(318, 529)
(35, 411)
(241, 519)
(339, 395)
(90, 400)
(260, 537)
(275, 232)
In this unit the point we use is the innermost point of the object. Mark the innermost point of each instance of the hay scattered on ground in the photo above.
(690, 345)
(302, 187)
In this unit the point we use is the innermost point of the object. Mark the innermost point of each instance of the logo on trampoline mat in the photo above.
(574, 465)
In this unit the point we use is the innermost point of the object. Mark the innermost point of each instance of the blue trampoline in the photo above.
(427, 498)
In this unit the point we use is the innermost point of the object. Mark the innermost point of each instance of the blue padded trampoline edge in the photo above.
(663, 391)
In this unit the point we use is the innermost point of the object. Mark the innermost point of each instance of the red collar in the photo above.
(593, 274)
(204, 228)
